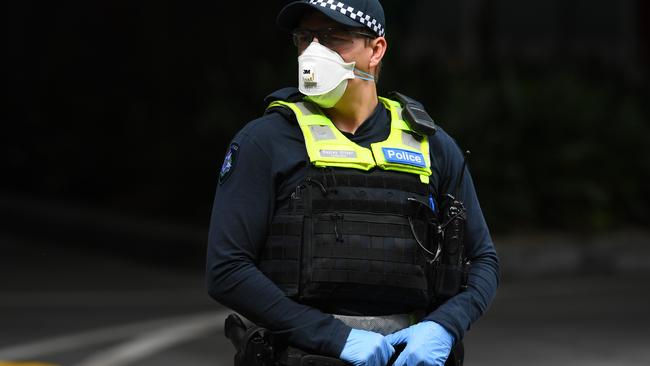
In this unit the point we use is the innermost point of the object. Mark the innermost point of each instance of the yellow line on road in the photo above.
(25, 364)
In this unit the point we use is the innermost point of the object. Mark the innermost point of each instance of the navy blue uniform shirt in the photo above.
(266, 161)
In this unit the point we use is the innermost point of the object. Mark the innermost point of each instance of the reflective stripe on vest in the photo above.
(403, 150)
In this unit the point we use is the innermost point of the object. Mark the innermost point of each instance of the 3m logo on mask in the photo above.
(404, 157)
(309, 78)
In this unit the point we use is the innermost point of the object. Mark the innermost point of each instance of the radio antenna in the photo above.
(462, 172)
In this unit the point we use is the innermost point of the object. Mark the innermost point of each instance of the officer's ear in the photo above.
(378, 46)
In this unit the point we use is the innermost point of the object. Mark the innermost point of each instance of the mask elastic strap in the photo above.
(363, 75)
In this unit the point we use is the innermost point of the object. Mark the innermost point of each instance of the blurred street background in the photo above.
(119, 114)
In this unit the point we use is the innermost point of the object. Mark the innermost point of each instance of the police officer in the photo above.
(322, 229)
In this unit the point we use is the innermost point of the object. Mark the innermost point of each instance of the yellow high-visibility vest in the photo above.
(404, 150)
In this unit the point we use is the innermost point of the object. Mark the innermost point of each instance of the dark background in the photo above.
(118, 114)
(129, 106)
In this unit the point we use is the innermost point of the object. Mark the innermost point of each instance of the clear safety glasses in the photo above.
(336, 39)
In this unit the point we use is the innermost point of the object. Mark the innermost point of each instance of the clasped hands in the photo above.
(427, 343)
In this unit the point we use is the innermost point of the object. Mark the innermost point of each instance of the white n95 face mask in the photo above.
(323, 75)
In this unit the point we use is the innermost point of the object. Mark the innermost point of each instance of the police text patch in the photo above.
(228, 163)
(404, 157)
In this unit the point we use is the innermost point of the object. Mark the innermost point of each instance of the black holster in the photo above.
(256, 346)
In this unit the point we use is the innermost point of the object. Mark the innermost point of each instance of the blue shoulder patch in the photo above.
(402, 156)
(228, 163)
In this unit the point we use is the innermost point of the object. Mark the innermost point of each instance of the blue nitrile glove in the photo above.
(364, 348)
(427, 344)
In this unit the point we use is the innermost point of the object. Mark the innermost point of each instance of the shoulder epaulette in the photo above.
(290, 94)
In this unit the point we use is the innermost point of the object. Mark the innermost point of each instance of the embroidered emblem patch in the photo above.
(228, 163)
(401, 156)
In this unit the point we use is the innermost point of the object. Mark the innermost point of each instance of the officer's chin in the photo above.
(353, 85)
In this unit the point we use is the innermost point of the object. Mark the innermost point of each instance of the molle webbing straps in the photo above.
(350, 239)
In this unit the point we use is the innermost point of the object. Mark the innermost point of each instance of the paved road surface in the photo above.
(71, 307)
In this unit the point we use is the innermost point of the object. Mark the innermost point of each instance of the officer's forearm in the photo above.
(240, 286)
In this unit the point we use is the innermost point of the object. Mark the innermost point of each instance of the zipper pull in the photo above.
(337, 232)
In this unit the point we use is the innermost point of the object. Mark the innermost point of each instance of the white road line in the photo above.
(154, 341)
(84, 339)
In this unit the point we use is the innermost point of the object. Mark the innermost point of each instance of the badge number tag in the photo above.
(401, 156)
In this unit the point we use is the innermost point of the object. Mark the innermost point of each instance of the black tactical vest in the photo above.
(348, 235)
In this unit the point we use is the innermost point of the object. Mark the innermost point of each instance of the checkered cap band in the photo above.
(355, 15)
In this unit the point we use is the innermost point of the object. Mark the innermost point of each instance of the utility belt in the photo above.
(257, 346)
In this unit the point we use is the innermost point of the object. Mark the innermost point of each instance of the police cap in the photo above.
(353, 13)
